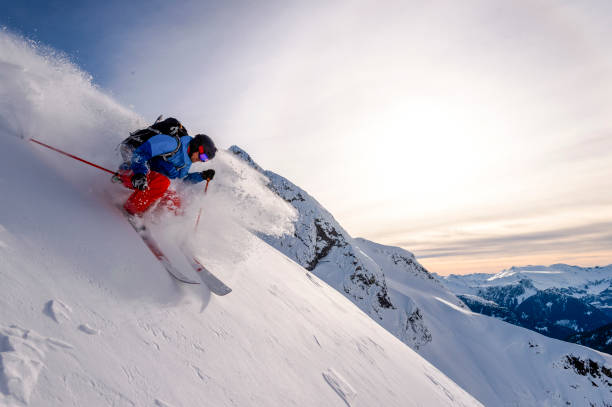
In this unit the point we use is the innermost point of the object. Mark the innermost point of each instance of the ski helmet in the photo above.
(202, 140)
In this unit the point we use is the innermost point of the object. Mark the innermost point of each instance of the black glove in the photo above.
(208, 174)
(139, 181)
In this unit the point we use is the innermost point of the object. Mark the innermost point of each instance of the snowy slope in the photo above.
(88, 316)
(500, 364)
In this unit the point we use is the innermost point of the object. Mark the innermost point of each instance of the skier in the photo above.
(159, 159)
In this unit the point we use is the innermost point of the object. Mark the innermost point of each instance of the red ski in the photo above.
(215, 285)
(148, 240)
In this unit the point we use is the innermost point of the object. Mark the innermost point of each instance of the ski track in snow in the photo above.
(441, 387)
(455, 307)
(340, 386)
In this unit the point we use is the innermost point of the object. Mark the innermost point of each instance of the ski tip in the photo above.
(223, 292)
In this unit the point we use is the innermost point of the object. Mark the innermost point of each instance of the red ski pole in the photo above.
(200, 212)
(72, 156)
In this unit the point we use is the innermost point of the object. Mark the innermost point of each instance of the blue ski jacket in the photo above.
(148, 157)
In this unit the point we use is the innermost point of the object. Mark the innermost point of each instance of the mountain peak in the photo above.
(243, 155)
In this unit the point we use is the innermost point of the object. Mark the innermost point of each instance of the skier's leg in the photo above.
(140, 201)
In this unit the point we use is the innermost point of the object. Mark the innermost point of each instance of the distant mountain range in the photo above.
(561, 301)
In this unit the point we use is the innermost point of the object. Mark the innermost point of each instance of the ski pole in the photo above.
(72, 156)
(200, 212)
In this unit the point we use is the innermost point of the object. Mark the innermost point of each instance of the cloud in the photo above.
(593, 147)
(591, 237)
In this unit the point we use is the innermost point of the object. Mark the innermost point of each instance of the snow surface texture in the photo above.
(500, 364)
(22, 353)
(89, 317)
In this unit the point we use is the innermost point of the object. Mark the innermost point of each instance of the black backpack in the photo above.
(169, 126)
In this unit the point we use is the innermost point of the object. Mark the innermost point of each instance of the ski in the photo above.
(148, 240)
(215, 285)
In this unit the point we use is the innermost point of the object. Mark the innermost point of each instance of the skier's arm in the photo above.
(156, 145)
(140, 156)
(195, 177)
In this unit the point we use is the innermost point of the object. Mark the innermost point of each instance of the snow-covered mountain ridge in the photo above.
(427, 316)
(558, 300)
(322, 246)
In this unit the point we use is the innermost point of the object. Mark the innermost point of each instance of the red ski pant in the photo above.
(158, 185)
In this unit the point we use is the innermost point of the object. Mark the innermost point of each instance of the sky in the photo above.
(475, 134)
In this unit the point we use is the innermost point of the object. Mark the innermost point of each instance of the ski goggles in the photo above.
(203, 156)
